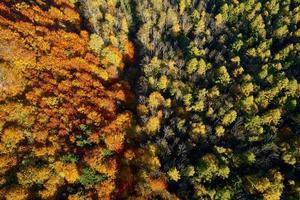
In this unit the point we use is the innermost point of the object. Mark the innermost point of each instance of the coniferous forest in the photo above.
(150, 99)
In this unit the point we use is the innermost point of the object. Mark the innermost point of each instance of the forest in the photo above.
(150, 100)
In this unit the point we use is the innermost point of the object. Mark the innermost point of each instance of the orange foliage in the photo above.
(129, 154)
(104, 189)
(16, 193)
(11, 82)
(6, 163)
(55, 89)
(96, 159)
(11, 137)
(130, 52)
(51, 186)
(68, 171)
(158, 184)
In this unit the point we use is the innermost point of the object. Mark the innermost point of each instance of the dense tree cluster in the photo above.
(218, 94)
(62, 122)
(150, 99)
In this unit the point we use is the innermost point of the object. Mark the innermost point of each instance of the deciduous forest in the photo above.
(150, 99)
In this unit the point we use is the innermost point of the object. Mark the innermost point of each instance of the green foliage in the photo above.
(229, 72)
(82, 141)
(70, 158)
(89, 177)
(209, 168)
(107, 153)
(216, 100)
(127, 10)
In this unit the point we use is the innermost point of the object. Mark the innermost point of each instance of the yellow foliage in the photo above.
(11, 81)
(142, 109)
(104, 189)
(156, 99)
(96, 43)
(6, 163)
(79, 196)
(17, 193)
(174, 174)
(219, 19)
(199, 129)
(238, 71)
(229, 117)
(154, 162)
(115, 142)
(163, 82)
(67, 170)
(40, 136)
(51, 187)
(271, 187)
(48, 150)
(112, 56)
(95, 158)
(153, 125)
(220, 131)
(16, 112)
(76, 196)
(213, 92)
(11, 137)
(148, 157)
(43, 50)
(31, 175)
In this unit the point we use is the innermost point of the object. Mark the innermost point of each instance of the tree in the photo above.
(209, 168)
(174, 174)
(229, 117)
(271, 187)
(223, 76)
(59, 96)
